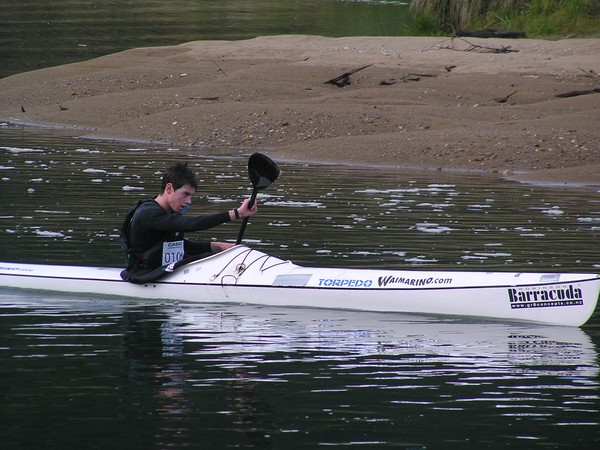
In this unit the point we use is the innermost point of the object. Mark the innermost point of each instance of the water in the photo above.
(37, 33)
(63, 201)
(100, 373)
(97, 372)
(105, 372)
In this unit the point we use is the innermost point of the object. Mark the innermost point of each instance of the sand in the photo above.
(479, 105)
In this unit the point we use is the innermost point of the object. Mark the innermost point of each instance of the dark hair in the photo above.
(178, 175)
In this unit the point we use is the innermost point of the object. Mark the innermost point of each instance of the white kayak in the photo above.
(245, 275)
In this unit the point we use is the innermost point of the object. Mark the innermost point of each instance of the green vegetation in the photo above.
(536, 18)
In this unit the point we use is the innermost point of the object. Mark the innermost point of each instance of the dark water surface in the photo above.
(104, 373)
(101, 372)
(42, 33)
(63, 201)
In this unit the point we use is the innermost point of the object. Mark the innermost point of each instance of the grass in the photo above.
(537, 18)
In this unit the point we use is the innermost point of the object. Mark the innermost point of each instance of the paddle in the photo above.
(262, 171)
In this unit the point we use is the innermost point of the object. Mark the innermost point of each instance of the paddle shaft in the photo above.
(245, 222)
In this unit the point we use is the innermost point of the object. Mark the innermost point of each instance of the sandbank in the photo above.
(479, 105)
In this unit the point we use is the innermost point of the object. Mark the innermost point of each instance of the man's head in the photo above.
(178, 175)
(178, 186)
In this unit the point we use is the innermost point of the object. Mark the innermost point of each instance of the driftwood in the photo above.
(591, 73)
(481, 48)
(578, 93)
(407, 78)
(212, 99)
(410, 77)
(218, 67)
(423, 75)
(588, 73)
(344, 79)
(491, 33)
(505, 98)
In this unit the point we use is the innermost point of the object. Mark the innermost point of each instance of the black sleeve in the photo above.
(154, 217)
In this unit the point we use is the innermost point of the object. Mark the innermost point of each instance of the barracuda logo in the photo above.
(545, 297)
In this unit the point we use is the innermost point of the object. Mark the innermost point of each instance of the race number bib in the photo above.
(172, 252)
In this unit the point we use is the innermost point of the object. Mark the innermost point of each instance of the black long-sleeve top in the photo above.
(152, 225)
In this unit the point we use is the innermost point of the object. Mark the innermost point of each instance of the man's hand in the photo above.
(217, 247)
(245, 210)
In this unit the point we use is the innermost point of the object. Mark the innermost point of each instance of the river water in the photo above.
(40, 33)
(104, 372)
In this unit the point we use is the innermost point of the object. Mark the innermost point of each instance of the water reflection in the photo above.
(262, 377)
(231, 376)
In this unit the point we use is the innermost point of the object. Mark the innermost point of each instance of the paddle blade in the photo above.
(262, 171)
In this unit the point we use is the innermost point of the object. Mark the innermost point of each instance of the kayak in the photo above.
(249, 276)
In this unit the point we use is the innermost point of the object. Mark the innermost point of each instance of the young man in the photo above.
(156, 232)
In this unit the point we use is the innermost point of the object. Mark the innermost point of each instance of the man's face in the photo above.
(178, 199)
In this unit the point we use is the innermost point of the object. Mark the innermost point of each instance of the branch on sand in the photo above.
(344, 79)
(591, 73)
(480, 48)
(578, 93)
(505, 98)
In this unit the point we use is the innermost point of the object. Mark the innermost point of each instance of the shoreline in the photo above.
(535, 178)
(424, 104)
(543, 178)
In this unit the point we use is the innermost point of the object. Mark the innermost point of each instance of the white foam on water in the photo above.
(18, 150)
(45, 233)
(554, 211)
